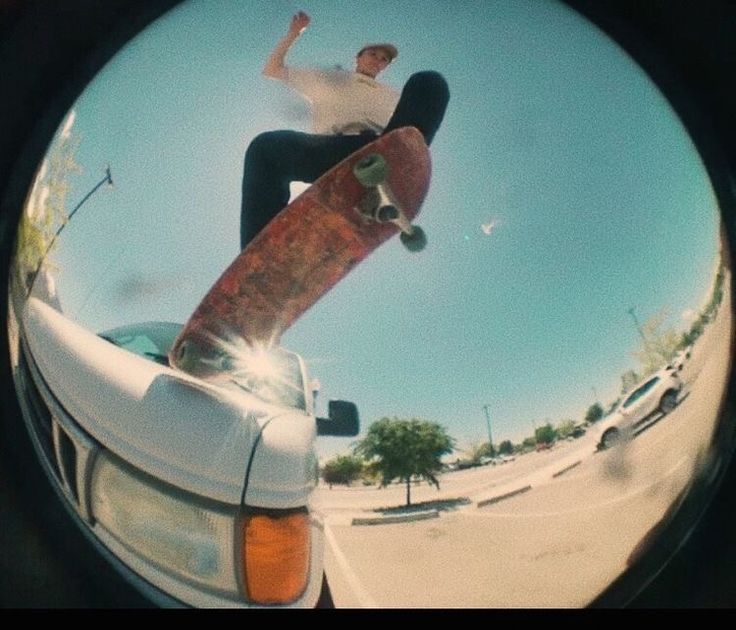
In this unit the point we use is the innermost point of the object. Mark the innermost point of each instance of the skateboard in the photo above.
(305, 250)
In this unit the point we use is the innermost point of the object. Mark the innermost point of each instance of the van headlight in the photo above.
(174, 530)
(258, 555)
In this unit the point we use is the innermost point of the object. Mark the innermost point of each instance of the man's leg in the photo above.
(275, 159)
(422, 104)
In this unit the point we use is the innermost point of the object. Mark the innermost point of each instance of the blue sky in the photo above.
(599, 199)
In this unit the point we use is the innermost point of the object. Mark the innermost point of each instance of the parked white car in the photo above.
(198, 494)
(659, 394)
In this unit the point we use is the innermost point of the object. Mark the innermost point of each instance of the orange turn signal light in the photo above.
(275, 557)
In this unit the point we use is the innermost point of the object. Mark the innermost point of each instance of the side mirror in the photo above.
(343, 420)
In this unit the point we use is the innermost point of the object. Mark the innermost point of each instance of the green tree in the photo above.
(565, 428)
(477, 451)
(708, 313)
(506, 447)
(343, 469)
(613, 406)
(401, 449)
(545, 434)
(629, 380)
(716, 296)
(46, 210)
(689, 337)
(529, 443)
(657, 347)
(594, 413)
(692, 335)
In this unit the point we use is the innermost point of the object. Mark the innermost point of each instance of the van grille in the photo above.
(67, 450)
(37, 412)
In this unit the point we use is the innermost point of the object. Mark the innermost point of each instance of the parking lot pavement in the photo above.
(556, 530)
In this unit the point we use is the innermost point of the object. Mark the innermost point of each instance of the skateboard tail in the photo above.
(210, 348)
(285, 296)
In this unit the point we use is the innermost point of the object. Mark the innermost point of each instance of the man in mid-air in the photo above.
(349, 110)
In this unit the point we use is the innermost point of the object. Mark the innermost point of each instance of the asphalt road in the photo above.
(560, 543)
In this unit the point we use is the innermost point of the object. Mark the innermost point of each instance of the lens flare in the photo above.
(262, 368)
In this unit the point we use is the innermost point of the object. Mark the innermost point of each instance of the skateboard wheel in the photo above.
(225, 363)
(416, 241)
(371, 170)
(182, 352)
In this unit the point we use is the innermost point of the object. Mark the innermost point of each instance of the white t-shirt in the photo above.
(343, 102)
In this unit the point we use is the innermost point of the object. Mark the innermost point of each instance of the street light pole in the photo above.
(106, 179)
(488, 422)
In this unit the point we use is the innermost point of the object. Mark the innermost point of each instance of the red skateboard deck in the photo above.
(299, 256)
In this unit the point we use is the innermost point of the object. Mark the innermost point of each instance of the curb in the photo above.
(501, 497)
(401, 518)
(567, 468)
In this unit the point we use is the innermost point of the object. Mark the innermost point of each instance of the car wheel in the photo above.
(668, 402)
(610, 438)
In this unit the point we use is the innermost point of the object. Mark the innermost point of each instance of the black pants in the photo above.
(276, 158)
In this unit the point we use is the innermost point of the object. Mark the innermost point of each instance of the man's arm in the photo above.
(275, 67)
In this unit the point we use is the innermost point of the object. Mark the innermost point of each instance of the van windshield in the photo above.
(275, 376)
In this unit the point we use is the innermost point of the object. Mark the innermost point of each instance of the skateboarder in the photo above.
(349, 110)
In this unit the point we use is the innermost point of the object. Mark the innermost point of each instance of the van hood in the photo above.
(194, 435)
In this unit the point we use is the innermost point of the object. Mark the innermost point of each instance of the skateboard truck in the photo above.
(379, 203)
(202, 358)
